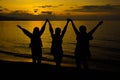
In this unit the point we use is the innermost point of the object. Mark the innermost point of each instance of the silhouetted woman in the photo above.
(56, 48)
(36, 43)
(82, 51)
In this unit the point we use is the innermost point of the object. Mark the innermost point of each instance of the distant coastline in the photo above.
(6, 18)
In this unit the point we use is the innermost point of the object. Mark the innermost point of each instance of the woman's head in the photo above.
(82, 28)
(57, 30)
(36, 30)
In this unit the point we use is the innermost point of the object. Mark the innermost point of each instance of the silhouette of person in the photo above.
(82, 51)
(36, 42)
(56, 47)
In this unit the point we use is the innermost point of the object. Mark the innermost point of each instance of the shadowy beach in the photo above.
(50, 72)
(45, 71)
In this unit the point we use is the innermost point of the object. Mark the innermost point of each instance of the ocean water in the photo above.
(105, 46)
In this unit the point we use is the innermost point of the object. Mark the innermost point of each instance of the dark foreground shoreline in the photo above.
(50, 72)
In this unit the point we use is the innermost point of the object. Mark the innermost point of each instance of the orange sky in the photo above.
(61, 7)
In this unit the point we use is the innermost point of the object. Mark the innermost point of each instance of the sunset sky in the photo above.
(82, 8)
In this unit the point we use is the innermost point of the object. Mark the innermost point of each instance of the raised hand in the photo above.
(68, 19)
(19, 26)
(100, 22)
(47, 20)
(94, 29)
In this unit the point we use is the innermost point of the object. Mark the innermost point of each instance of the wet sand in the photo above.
(22, 70)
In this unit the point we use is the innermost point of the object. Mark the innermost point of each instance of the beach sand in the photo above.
(28, 70)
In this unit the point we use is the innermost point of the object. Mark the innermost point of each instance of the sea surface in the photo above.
(105, 46)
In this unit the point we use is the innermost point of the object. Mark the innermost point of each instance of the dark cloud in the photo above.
(19, 12)
(94, 8)
(60, 5)
(46, 12)
(46, 6)
(6, 9)
(36, 10)
(2, 10)
(49, 6)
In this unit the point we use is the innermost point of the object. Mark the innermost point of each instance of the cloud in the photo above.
(50, 6)
(94, 8)
(108, 12)
(36, 10)
(46, 12)
(19, 12)
(3, 10)
(60, 5)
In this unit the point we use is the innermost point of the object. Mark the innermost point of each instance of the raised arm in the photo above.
(94, 29)
(73, 25)
(43, 27)
(25, 31)
(50, 28)
(65, 28)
